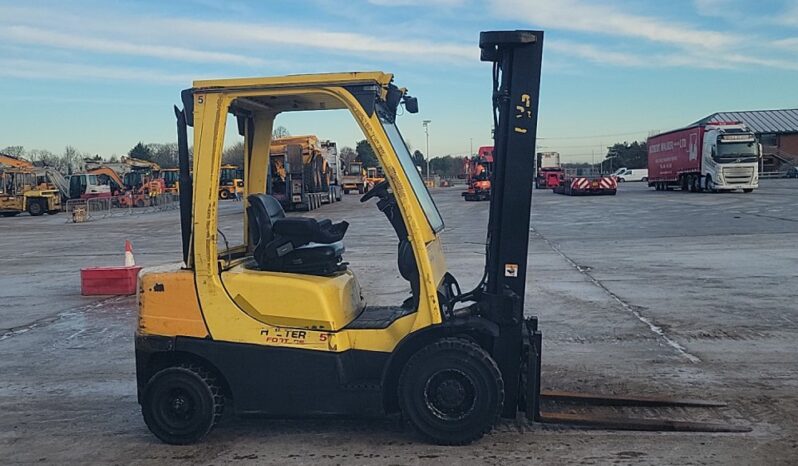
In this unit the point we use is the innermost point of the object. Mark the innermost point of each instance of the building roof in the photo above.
(761, 121)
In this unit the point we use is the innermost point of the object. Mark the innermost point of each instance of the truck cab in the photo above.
(730, 158)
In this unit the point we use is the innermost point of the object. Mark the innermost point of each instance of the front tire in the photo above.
(35, 208)
(451, 392)
(224, 194)
(182, 404)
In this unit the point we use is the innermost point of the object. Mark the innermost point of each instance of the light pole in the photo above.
(471, 147)
(426, 130)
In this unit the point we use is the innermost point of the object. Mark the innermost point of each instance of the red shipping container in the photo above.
(109, 280)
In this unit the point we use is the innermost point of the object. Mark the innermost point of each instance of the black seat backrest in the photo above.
(263, 211)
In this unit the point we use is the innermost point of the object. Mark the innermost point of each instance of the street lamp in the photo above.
(426, 130)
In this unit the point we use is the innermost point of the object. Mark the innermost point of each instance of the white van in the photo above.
(631, 174)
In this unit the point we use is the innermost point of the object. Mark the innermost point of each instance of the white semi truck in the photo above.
(716, 156)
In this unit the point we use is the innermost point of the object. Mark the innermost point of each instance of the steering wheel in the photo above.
(379, 190)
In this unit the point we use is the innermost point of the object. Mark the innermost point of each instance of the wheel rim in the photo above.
(450, 395)
(177, 409)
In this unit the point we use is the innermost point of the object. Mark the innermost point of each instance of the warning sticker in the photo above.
(510, 270)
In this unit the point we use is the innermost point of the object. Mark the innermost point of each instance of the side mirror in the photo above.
(411, 104)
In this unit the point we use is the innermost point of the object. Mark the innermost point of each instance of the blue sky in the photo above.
(102, 75)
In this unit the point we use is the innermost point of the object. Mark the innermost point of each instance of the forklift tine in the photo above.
(619, 423)
(616, 400)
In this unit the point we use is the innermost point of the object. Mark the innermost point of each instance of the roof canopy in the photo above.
(760, 121)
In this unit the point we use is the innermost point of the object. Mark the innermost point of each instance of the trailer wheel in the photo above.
(182, 404)
(36, 207)
(451, 392)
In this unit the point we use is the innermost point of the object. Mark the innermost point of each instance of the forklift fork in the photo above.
(534, 396)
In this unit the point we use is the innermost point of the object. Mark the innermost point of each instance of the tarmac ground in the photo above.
(643, 293)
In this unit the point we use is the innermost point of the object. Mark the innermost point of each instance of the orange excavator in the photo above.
(142, 185)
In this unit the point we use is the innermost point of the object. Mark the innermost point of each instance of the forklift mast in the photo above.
(516, 58)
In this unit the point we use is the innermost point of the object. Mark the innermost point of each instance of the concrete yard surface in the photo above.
(644, 293)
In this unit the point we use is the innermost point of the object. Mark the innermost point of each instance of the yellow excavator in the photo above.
(278, 326)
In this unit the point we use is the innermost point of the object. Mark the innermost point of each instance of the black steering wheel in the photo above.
(379, 190)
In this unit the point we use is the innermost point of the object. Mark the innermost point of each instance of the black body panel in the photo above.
(285, 382)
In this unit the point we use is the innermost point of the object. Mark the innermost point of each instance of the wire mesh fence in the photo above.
(86, 210)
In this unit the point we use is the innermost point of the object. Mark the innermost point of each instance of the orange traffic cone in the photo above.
(129, 261)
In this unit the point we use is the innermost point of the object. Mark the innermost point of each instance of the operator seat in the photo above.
(293, 244)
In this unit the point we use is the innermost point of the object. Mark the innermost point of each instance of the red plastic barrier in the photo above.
(108, 280)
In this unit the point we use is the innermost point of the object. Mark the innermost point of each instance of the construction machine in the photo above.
(279, 326)
(374, 176)
(300, 176)
(21, 190)
(335, 170)
(354, 178)
(171, 180)
(478, 171)
(141, 182)
(230, 181)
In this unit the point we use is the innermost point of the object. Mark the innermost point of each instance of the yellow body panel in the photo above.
(250, 306)
(168, 304)
(295, 300)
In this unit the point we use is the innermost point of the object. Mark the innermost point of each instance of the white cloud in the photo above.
(790, 43)
(254, 34)
(34, 69)
(37, 36)
(593, 53)
(577, 15)
(433, 3)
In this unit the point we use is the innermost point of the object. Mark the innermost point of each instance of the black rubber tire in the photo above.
(224, 194)
(346, 191)
(36, 208)
(710, 186)
(644, 179)
(461, 367)
(195, 388)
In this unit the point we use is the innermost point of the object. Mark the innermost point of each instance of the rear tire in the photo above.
(451, 392)
(182, 404)
(224, 194)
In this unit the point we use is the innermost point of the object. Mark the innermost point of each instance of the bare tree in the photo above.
(16, 151)
(234, 155)
(280, 132)
(347, 155)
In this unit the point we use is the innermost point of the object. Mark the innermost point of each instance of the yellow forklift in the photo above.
(279, 327)
(21, 190)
